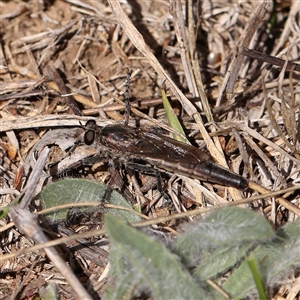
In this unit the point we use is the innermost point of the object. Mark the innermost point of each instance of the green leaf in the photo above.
(241, 282)
(274, 259)
(82, 190)
(287, 254)
(228, 227)
(122, 288)
(159, 269)
(48, 292)
(5, 210)
(172, 118)
(220, 260)
(257, 278)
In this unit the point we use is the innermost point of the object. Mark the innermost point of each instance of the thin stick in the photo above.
(269, 59)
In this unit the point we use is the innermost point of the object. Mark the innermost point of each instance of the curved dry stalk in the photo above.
(280, 200)
(27, 224)
(150, 222)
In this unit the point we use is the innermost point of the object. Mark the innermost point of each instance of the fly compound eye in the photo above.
(90, 124)
(89, 137)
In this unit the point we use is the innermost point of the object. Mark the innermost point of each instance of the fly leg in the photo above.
(127, 98)
(69, 163)
(116, 182)
(149, 171)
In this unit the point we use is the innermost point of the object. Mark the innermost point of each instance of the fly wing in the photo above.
(144, 145)
(176, 150)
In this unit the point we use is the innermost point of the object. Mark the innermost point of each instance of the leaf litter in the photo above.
(65, 62)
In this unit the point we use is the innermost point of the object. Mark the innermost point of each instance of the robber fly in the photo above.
(134, 147)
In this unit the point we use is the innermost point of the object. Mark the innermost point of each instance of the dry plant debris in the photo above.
(231, 70)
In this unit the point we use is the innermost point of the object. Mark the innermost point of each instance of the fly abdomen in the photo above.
(214, 173)
(206, 171)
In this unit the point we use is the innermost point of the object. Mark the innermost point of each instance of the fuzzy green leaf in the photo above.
(228, 227)
(274, 259)
(220, 260)
(159, 269)
(82, 190)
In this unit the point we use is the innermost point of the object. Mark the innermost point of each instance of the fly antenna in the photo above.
(127, 99)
